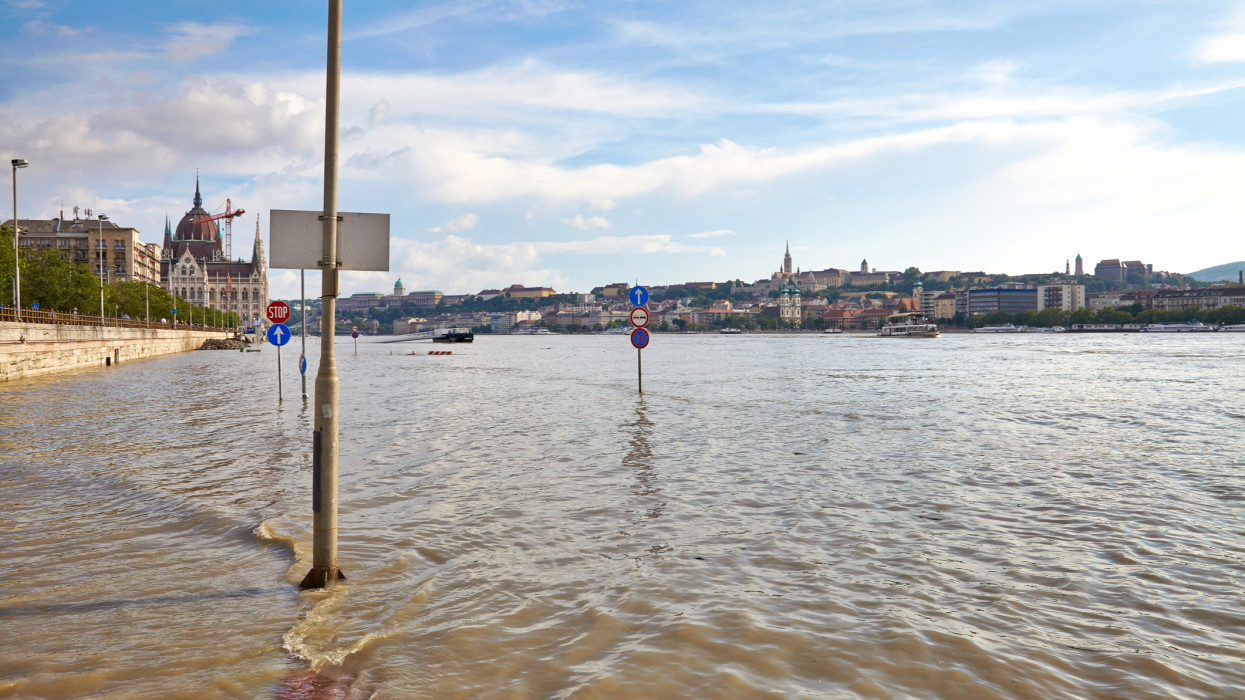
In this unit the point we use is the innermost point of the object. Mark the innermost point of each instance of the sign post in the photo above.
(302, 311)
(278, 335)
(354, 333)
(639, 336)
(278, 312)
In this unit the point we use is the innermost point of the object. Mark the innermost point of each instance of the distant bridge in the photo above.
(424, 335)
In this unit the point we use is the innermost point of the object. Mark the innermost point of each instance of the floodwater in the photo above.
(778, 517)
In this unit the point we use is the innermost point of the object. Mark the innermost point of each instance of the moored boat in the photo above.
(455, 338)
(1195, 327)
(1006, 328)
(908, 325)
(730, 331)
(1233, 328)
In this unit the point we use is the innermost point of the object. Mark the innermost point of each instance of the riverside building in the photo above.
(119, 255)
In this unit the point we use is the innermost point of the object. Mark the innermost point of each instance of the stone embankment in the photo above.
(34, 349)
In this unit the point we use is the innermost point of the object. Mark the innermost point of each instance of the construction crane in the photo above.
(227, 216)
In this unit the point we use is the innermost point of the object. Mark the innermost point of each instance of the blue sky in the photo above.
(575, 144)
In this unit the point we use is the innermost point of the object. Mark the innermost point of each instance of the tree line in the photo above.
(58, 284)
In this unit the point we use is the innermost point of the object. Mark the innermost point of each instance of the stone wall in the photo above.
(32, 349)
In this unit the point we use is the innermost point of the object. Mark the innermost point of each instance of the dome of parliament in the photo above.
(187, 230)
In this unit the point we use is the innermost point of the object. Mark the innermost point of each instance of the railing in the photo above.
(8, 313)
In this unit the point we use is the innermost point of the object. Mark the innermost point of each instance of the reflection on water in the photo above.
(1039, 517)
(639, 459)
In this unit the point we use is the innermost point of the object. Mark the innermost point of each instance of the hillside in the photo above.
(1219, 273)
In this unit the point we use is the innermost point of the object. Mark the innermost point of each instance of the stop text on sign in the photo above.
(278, 312)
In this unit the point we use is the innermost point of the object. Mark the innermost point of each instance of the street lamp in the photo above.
(17, 267)
(99, 253)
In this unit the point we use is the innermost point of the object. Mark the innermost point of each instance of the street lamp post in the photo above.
(17, 266)
(99, 254)
(147, 300)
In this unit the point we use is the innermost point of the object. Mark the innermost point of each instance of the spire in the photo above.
(198, 197)
(257, 249)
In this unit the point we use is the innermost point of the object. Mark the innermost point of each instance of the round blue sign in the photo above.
(302, 364)
(354, 334)
(639, 338)
(639, 296)
(278, 334)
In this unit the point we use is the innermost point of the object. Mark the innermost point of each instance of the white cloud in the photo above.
(602, 204)
(41, 28)
(191, 40)
(1222, 48)
(466, 222)
(457, 264)
(712, 234)
(583, 224)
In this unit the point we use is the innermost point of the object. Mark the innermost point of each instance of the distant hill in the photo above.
(1219, 273)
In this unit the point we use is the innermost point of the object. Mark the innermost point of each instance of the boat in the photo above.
(1196, 327)
(1052, 329)
(455, 338)
(908, 325)
(1233, 328)
(621, 330)
(1105, 327)
(1007, 328)
(833, 330)
(730, 331)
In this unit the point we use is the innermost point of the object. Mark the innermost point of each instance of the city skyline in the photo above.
(553, 144)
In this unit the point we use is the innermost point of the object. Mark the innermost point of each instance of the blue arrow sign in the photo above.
(639, 296)
(302, 364)
(278, 334)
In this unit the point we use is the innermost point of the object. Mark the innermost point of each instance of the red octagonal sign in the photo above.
(278, 312)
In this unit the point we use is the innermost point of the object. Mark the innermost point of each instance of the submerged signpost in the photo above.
(331, 241)
(278, 335)
(278, 312)
(639, 336)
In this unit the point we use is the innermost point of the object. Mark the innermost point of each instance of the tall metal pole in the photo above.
(302, 309)
(17, 246)
(324, 438)
(99, 253)
(147, 300)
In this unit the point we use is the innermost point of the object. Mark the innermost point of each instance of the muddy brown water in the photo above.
(777, 517)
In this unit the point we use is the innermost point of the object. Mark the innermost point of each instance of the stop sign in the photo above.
(278, 312)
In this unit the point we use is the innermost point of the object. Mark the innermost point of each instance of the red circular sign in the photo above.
(639, 338)
(639, 317)
(278, 312)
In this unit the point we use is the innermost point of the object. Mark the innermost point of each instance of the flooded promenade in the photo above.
(777, 517)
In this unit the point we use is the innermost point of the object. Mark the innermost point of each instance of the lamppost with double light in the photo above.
(17, 263)
(100, 252)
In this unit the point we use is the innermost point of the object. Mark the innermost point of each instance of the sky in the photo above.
(575, 144)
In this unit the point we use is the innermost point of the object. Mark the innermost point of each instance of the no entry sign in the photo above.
(278, 312)
(639, 317)
(639, 338)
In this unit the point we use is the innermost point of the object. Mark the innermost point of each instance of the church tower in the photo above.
(864, 266)
(786, 260)
(1080, 267)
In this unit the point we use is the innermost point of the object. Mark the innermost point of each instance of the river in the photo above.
(806, 516)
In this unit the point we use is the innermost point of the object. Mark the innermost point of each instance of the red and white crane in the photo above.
(227, 216)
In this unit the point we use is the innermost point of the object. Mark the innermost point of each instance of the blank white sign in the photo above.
(298, 240)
